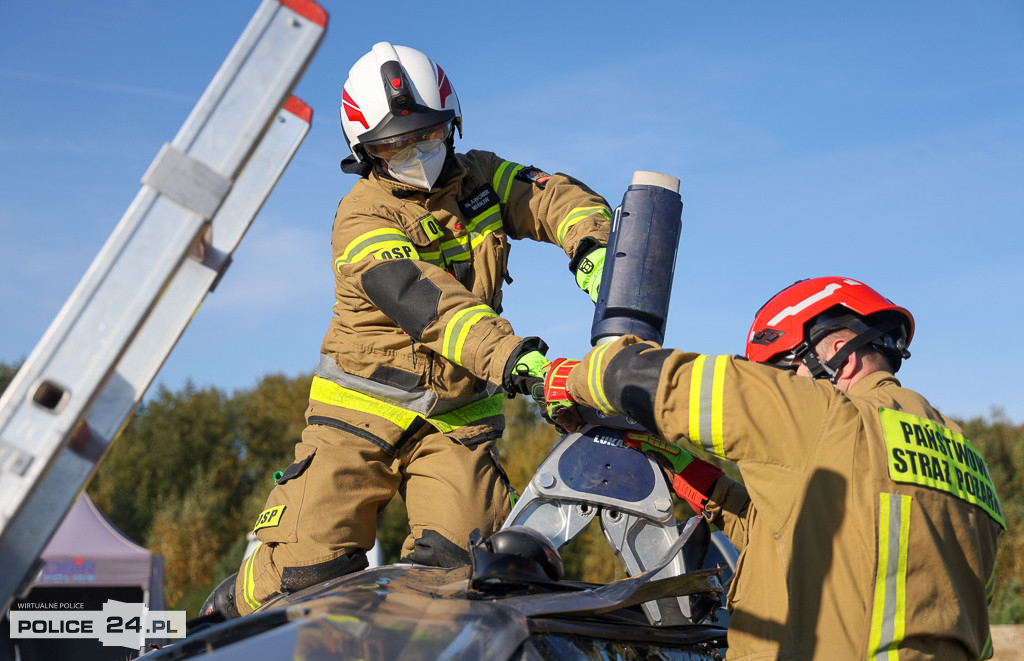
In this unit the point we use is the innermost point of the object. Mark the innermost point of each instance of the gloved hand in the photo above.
(558, 402)
(525, 369)
(692, 478)
(589, 271)
(528, 372)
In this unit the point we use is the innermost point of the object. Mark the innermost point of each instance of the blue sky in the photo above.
(881, 141)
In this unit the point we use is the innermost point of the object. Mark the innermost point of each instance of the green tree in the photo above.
(7, 373)
(270, 418)
(1002, 445)
(175, 480)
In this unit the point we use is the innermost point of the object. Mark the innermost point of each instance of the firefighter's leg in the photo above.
(321, 516)
(449, 490)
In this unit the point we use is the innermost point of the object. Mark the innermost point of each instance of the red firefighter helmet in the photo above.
(796, 318)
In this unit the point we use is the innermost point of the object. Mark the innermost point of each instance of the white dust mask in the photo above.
(419, 165)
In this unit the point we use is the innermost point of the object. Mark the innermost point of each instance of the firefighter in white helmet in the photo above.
(417, 361)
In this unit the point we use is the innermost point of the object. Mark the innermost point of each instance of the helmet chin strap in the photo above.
(830, 369)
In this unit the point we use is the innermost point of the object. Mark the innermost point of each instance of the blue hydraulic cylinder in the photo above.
(640, 261)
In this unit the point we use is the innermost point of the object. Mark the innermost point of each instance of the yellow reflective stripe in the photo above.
(987, 651)
(990, 586)
(474, 225)
(432, 257)
(459, 248)
(502, 181)
(718, 406)
(372, 243)
(595, 380)
(249, 581)
(707, 397)
(470, 413)
(576, 215)
(457, 330)
(889, 612)
(329, 392)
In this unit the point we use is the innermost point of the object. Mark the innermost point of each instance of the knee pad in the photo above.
(294, 579)
(434, 549)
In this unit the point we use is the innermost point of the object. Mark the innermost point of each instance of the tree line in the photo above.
(192, 469)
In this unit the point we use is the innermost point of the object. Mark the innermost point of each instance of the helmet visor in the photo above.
(394, 148)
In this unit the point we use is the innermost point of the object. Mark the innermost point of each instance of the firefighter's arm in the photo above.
(556, 209)
(724, 405)
(382, 276)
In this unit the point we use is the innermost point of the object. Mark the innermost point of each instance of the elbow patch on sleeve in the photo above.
(399, 290)
(631, 381)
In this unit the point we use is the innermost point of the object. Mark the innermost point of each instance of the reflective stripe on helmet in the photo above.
(807, 302)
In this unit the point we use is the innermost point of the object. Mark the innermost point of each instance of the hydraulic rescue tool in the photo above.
(592, 471)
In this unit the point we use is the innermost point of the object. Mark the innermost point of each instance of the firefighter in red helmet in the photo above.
(866, 521)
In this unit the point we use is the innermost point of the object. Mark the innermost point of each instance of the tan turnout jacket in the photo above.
(871, 522)
(418, 287)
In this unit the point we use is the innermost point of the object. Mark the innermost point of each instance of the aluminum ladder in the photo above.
(81, 383)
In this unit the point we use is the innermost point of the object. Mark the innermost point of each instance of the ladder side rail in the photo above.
(65, 373)
(39, 518)
(156, 233)
(258, 75)
(195, 279)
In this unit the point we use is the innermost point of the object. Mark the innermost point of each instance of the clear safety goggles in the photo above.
(391, 148)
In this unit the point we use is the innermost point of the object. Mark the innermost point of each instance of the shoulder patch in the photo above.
(533, 175)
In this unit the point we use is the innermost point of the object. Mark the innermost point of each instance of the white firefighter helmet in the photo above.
(393, 90)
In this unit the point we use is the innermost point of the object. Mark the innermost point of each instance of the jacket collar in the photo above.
(872, 381)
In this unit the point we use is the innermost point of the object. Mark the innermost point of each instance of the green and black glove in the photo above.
(525, 369)
(588, 267)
